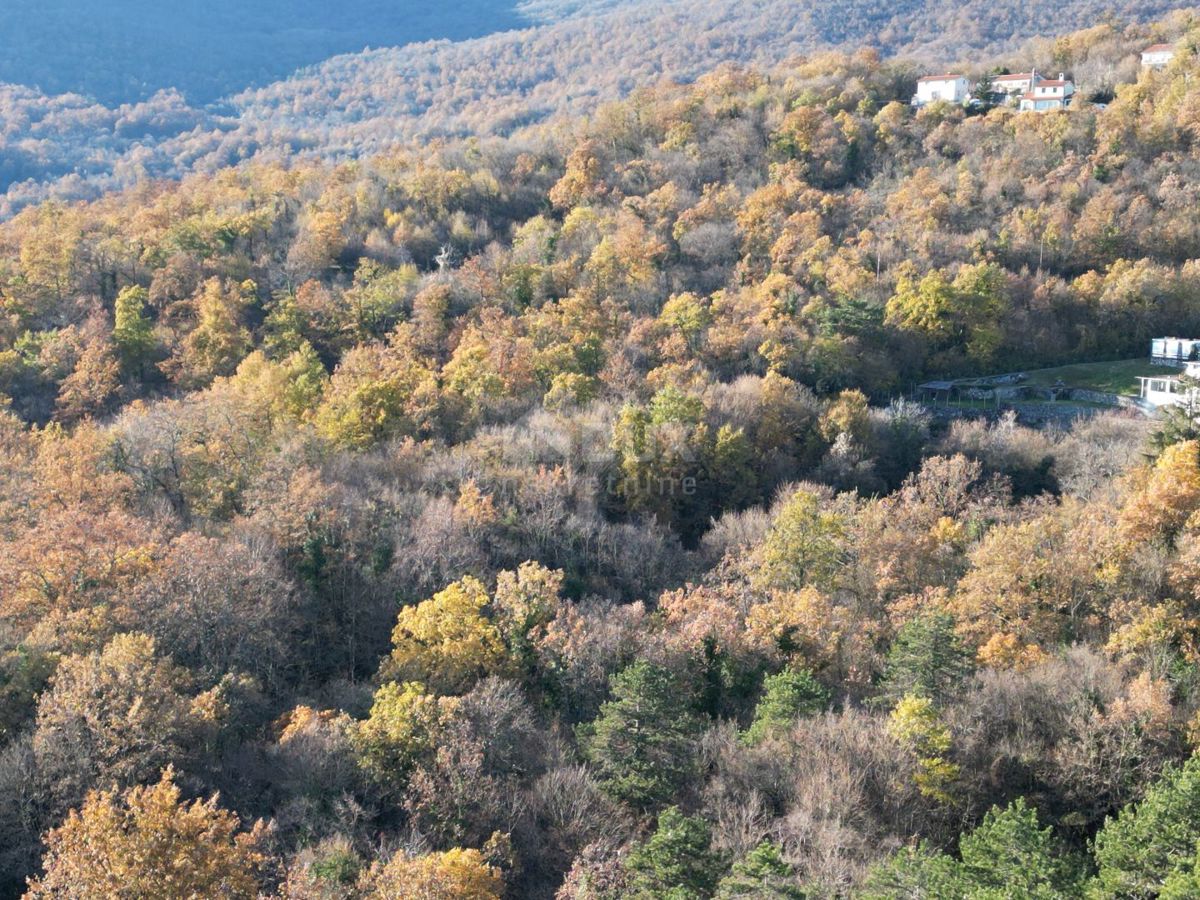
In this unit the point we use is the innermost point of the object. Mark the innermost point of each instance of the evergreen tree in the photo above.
(1008, 855)
(1151, 841)
(762, 875)
(788, 696)
(677, 862)
(1183, 884)
(642, 742)
(983, 91)
(919, 871)
(926, 659)
(133, 332)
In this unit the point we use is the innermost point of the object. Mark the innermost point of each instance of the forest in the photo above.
(548, 515)
(125, 52)
(576, 57)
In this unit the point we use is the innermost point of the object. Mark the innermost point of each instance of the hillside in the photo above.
(126, 52)
(360, 103)
(546, 516)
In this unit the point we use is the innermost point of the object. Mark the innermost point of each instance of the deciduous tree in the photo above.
(446, 642)
(148, 843)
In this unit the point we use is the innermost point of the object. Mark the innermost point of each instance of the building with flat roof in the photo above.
(1168, 390)
(1173, 351)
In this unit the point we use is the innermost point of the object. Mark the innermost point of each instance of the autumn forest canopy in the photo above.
(98, 95)
(548, 513)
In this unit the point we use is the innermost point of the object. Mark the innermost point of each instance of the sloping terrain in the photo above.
(357, 104)
(547, 517)
(125, 52)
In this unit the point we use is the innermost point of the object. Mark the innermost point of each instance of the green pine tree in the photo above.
(133, 332)
(1151, 841)
(642, 743)
(1008, 855)
(1183, 884)
(762, 875)
(983, 91)
(788, 696)
(920, 871)
(926, 659)
(1005, 858)
(677, 862)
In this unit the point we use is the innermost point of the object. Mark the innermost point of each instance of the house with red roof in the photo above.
(1048, 94)
(1158, 56)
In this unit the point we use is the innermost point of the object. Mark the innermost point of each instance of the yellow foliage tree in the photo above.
(148, 845)
(1005, 651)
(526, 601)
(1167, 497)
(915, 723)
(1156, 636)
(403, 727)
(474, 508)
(1043, 581)
(219, 341)
(805, 545)
(446, 641)
(849, 414)
(114, 716)
(802, 623)
(492, 365)
(378, 391)
(454, 875)
(287, 390)
(583, 178)
(89, 390)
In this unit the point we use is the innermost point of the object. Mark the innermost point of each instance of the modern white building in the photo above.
(1158, 56)
(1173, 351)
(1049, 94)
(950, 88)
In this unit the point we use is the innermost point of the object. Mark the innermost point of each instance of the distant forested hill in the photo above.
(584, 54)
(120, 52)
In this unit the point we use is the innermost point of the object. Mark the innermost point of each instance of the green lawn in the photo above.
(1119, 377)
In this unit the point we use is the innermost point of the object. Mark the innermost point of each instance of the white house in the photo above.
(1158, 56)
(1049, 94)
(1014, 86)
(932, 88)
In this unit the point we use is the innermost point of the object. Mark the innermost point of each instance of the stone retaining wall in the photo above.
(1036, 413)
(1026, 395)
